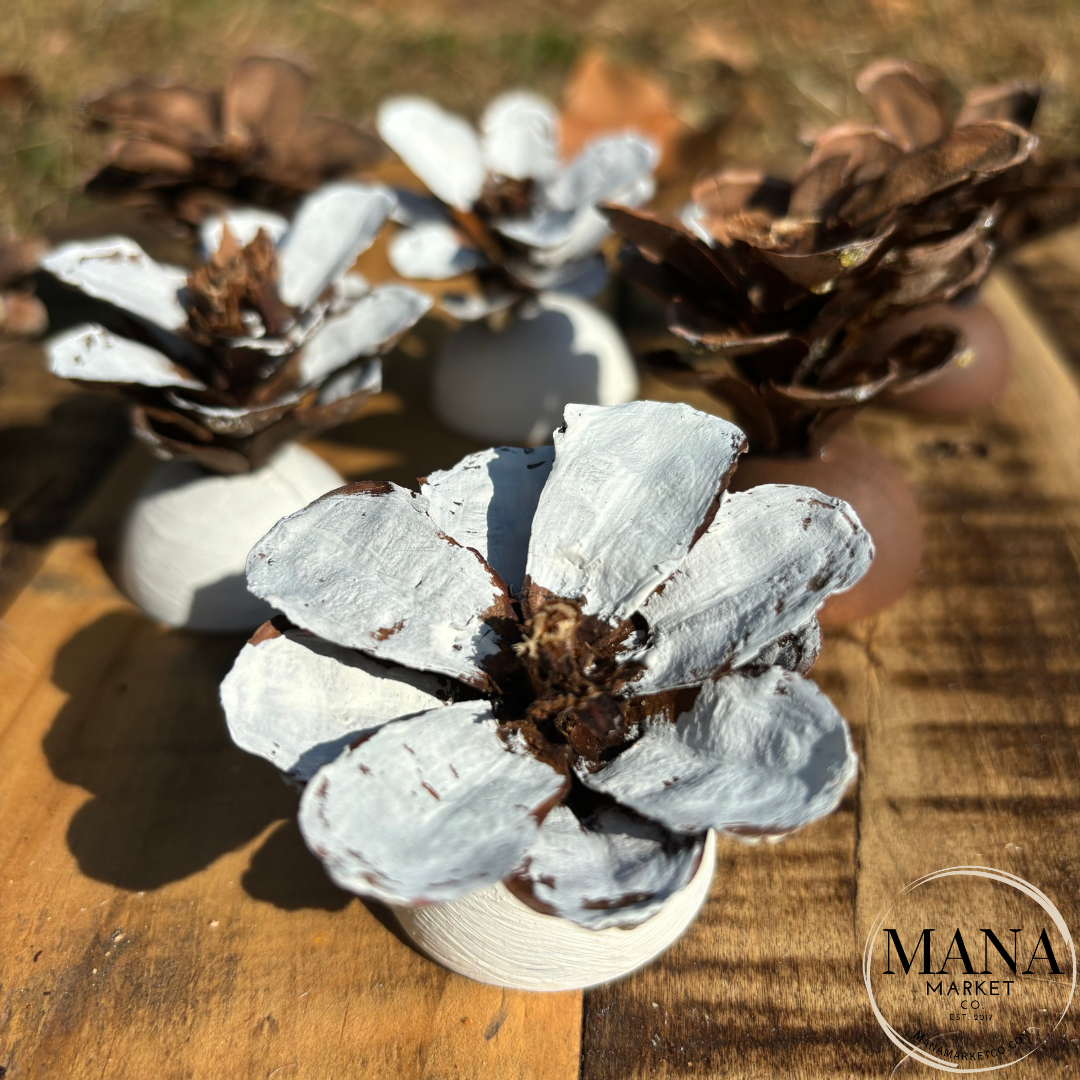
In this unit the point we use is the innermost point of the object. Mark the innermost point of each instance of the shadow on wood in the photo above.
(143, 732)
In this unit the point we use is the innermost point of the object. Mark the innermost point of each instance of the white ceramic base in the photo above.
(188, 535)
(511, 387)
(493, 937)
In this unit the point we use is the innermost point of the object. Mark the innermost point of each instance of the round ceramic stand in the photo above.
(493, 937)
(188, 534)
(512, 386)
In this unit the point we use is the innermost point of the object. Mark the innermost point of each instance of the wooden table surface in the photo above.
(161, 919)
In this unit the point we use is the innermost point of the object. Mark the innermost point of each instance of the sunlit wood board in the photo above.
(160, 917)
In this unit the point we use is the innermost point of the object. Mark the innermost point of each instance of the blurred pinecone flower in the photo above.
(504, 203)
(272, 338)
(196, 151)
(778, 287)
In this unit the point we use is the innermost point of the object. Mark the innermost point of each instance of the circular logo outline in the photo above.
(1004, 877)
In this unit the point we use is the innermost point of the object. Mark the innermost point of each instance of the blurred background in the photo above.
(770, 71)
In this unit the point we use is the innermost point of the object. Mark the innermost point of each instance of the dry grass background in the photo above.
(780, 68)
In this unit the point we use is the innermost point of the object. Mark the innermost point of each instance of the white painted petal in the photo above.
(604, 169)
(238, 421)
(519, 133)
(442, 149)
(772, 556)
(590, 228)
(755, 754)
(350, 381)
(118, 271)
(332, 227)
(617, 872)
(244, 223)
(299, 701)
(347, 290)
(413, 209)
(375, 320)
(366, 567)
(542, 229)
(428, 809)
(630, 487)
(94, 354)
(487, 501)
(582, 277)
(468, 307)
(433, 251)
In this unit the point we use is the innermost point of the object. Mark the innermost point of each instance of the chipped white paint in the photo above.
(583, 874)
(487, 501)
(629, 488)
(94, 354)
(442, 149)
(373, 322)
(772, 556)
(369, 569)
(299, 701)
(763, 754)
(519, 134)
(432, 251)
(117, 270)
(492, 937)
(332, 227)
(428, 809)
(513, 386)
(188, 534)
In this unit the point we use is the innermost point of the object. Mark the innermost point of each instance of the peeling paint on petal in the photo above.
(772, 556)
(93, 354)
(362, 560)
(427, 809)
(630, 489)
(487, 502)
(117, 270)
(298, 701)
(618, 871)
(757, 754)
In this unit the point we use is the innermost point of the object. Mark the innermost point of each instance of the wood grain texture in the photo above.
(139, 842)
(965, 702)
(159, 915)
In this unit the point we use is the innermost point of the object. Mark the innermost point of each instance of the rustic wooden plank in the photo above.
(159, 915)
(128, 814)
(965, 702)
(119, 780)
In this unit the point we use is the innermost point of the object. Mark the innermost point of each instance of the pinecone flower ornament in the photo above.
(21, 313)
(195, 151)
(271, 338)
(785, 292)
(504, 204)
(525, 230)
(553, 668)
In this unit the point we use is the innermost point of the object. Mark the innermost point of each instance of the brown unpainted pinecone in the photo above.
(780, 307)
(194, 151)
